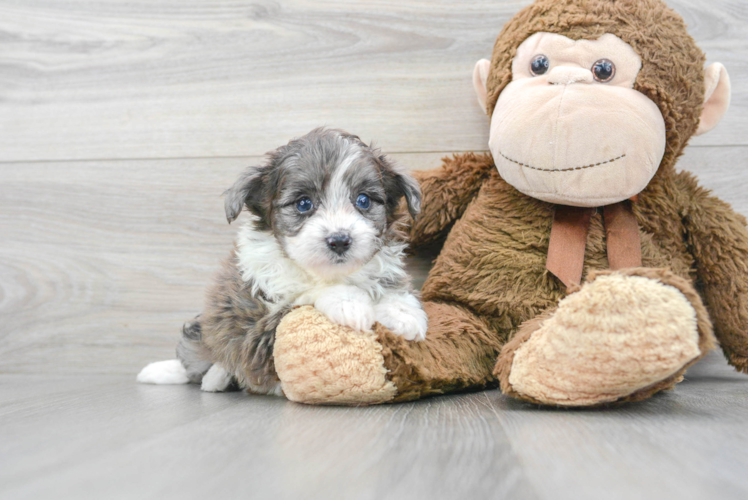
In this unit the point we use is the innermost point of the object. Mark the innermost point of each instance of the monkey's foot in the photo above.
(319, 362)
(623, 336)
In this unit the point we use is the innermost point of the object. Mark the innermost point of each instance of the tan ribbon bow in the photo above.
(569, 239)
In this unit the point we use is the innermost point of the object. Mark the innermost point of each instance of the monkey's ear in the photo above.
(248, 190)
(716, 97)
(480, 77)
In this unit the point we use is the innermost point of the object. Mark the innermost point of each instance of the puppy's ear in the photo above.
(412, 192)
(253, 189)
(398, 183)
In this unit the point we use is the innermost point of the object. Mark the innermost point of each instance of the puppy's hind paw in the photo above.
(216, 379)
(170, 371)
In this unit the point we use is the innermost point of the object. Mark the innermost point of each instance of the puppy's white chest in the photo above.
(309, 297)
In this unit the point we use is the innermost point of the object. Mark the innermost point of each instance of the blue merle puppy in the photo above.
(323, 230)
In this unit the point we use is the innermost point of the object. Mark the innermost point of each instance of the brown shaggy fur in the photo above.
(443, 200)
(490, 277)
(459, 355)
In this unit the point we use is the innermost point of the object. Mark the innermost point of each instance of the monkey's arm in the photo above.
(447, 191)
(718, 239)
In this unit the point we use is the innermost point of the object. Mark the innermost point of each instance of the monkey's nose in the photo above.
(339, 243)
(566, 75)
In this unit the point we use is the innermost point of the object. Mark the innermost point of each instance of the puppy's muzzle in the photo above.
(339, 243)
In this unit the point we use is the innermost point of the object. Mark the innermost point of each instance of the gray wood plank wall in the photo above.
(180, 79)
(121, 123)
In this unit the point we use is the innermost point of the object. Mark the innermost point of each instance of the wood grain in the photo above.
(174, 442)
(685, 444)
(176, 79)
(93, 436)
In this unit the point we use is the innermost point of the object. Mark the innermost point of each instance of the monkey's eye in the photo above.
(604, 70)
(539, 65)
(363, 201)
(304, 204)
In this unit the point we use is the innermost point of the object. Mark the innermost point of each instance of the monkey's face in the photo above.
(570, 128)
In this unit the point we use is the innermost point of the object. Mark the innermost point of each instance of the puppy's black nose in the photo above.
(339, 243)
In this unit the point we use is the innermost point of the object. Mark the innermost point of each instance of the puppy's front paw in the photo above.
(347, 306)
(402, 315)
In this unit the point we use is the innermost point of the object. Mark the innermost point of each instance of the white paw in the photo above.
(216, 379)
(347, 306)
(170, 371)
(402, 315)
(277, 390)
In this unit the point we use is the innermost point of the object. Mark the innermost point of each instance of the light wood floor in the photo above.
(121, 123)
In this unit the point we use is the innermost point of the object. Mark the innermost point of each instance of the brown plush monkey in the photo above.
(579, 267)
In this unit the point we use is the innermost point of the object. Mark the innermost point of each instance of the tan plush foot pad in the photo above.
(319, 362)
(616, 335)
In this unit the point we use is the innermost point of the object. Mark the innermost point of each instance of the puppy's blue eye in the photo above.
(304, 205)
(363, 201)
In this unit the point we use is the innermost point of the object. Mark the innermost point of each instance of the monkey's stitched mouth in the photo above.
(591, 165)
